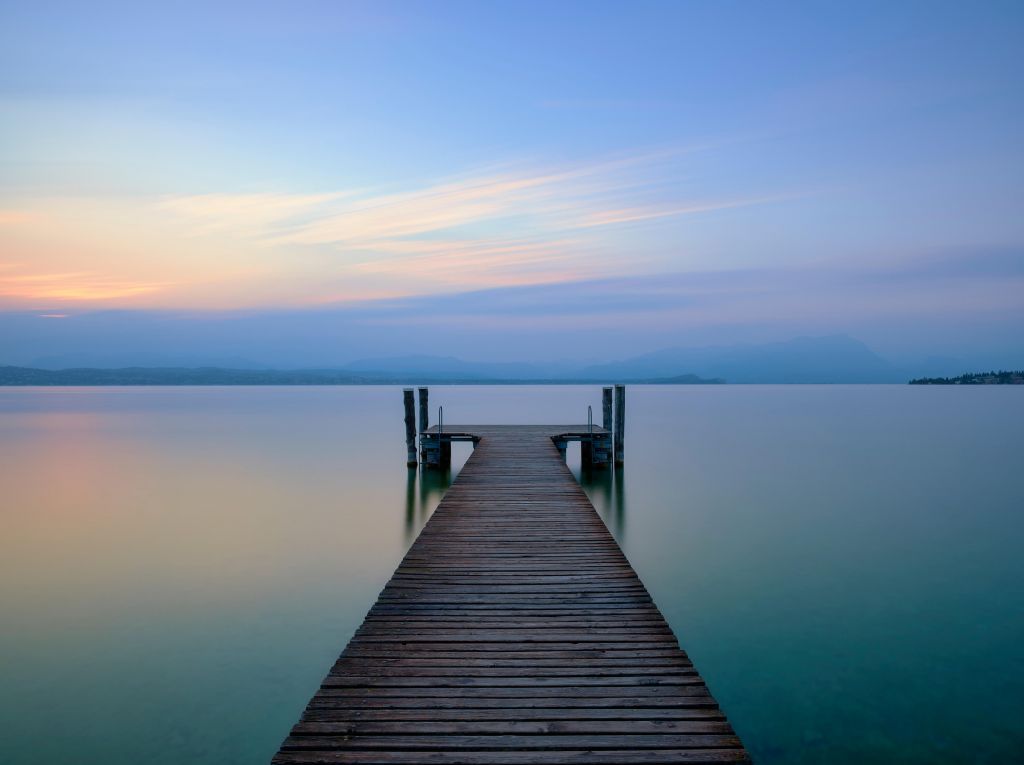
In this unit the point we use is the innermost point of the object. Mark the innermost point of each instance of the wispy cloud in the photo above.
(643, 214)
(498, 226)
(495, 263)
(605, 104)
(506, 225)
(17, 217)
(974, 295)
(237, 213)
(71, 286)
(913, 284)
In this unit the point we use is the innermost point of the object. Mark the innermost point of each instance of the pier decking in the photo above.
(514, 631)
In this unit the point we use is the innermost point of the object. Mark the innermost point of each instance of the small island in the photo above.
(975, 378)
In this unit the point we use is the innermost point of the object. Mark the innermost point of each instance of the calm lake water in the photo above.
(179, 567)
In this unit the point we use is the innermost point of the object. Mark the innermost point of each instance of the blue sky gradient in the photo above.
(772, 169)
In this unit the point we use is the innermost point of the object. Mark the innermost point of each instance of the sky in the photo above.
(550, 180)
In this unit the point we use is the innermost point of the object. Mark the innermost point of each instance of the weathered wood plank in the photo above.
(505, 727)
(397, 743)
(328, 701)
(489, 757)
(545, 714)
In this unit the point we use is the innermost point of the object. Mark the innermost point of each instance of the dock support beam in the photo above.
(562, 446)
(620, 423)
(430, 451)
(410, 427)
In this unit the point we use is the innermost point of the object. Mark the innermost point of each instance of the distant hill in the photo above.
(975, 378)
(174, 376)
(31, 376)
(683, 380)
(449, 367)
(831, 359)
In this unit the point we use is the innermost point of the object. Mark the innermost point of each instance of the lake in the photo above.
(179, 567)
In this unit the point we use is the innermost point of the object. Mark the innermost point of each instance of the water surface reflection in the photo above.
(180, 567)
(424, 489)
(606, 488)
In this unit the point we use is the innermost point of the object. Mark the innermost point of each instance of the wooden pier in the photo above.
(514, 631)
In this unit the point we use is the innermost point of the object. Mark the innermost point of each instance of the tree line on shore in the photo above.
(1001, 377)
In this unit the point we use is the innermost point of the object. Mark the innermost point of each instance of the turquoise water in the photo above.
(179, 567)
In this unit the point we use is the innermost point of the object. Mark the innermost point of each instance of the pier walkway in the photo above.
(514, 631)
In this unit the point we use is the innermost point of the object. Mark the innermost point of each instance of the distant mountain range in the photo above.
(32, 376)
(829, 359)
(448, 367)
(832, 359)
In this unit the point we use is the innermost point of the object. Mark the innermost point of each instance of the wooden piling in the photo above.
(620, 423)
(424, 412)
(606, 408)
(410, 427)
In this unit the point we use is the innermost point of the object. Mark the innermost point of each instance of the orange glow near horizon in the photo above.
(70, 287)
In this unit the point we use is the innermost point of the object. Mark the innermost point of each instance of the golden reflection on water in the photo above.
(92, 506)
(159, 545)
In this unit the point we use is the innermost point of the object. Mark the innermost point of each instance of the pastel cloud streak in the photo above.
(16, 218)
(964, 302)
(71, 286)
(508, 225)
(490, 228)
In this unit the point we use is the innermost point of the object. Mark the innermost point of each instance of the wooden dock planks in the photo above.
(514, 631)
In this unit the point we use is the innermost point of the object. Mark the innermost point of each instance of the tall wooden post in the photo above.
(620, 423)
(424, 413)
(602, 453)
(606, 408)
(410, 427)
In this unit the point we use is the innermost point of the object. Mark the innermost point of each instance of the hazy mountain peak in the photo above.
(825, 359)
